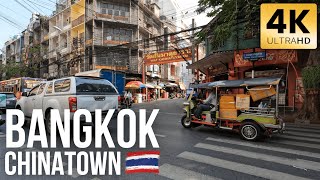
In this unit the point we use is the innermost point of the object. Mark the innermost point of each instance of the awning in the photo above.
(200, 86)
(150, 86)
(227, 83)
(134, 85)
(171, 85)
(246, 82)
(212, 60)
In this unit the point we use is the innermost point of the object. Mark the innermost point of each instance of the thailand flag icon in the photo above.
(142, 162)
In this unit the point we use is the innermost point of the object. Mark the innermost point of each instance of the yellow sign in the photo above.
(288, 26)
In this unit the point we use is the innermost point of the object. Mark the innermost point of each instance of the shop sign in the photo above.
(166, 57)
(271, 57)
(254, 56)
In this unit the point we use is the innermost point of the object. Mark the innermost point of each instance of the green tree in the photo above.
(227, 13)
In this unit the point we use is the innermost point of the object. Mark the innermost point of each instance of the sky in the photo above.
(12, 11)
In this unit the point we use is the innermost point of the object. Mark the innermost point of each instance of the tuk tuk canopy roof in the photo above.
(200, 86)
(246, 82)
(227, 83)
(262, 81)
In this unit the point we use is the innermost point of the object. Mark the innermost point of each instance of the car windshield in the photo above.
(94, 86)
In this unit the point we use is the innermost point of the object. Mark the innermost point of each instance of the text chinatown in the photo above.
(50, 162)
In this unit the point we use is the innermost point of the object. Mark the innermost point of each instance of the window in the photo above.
(94, 86)
(110, 6)
(104, 5)
(110, 12)
(122, 8)
(62, 85)
(34, 91)
(117, 13)
(123, 13)
(41, 89)
(49, 89)
(116, 7)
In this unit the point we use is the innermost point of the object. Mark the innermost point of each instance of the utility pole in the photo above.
(192, 46)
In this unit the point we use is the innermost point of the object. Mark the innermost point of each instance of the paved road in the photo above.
(206, 153)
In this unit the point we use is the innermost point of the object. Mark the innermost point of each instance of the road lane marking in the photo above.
(294, 143)
(303, 134)
(264, 147)
(239, 167)
(270, 158)
(316, 141)
(177, 173)
(95, 178)
(175, 114)
(291, 129)
(160, 135)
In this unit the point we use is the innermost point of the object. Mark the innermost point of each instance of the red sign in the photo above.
(272, 57)
(166, 57)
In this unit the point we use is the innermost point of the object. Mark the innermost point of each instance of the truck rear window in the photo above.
(91, 86)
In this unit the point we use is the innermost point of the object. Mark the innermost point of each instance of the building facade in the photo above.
(98, 34)
(226, 61)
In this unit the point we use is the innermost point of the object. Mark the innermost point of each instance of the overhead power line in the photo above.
(23, 6)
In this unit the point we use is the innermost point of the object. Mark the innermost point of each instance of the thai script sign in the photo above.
(166, 57)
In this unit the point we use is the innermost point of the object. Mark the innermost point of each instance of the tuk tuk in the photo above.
(248, 106)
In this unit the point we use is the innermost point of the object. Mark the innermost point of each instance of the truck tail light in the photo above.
(73, 104)
(119, 98)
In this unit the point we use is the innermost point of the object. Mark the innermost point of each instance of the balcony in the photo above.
(78, 21)
(113, 17)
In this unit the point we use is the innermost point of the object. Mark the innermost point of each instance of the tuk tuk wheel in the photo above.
(186, 122)
(250, 131)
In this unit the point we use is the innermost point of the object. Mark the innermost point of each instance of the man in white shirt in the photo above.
(208, 104)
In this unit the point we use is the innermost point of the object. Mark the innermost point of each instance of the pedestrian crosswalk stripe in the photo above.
(279, 149)
(302, 138)
(270, 158)
(291, 129)
(303, 134)
(239, 167)
(178, 173)
(294, 143)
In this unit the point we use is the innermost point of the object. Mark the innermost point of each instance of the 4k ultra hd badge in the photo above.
(288, 26)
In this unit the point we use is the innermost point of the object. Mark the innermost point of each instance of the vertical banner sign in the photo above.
(288, 26)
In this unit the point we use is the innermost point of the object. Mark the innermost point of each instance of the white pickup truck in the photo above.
(72, 93)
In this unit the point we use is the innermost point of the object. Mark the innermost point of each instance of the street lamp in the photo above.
(56, 27)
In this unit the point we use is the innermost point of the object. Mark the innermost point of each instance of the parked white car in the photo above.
(72, 93)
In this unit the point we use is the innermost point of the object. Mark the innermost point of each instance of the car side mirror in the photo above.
(25, 94)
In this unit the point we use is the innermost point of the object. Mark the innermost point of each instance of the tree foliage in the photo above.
(227, 13)
(29, 67)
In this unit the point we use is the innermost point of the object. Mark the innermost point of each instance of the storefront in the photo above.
(275, 63)
(220, 66)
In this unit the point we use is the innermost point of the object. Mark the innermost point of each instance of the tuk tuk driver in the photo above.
(206, 105)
